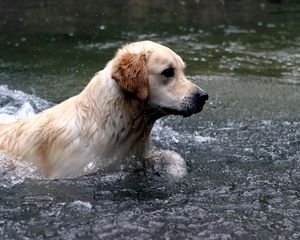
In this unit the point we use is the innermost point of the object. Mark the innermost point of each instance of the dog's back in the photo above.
(65, 138)
(36, 138)
(7, 133)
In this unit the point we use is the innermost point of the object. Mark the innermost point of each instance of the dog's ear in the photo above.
(130, 72)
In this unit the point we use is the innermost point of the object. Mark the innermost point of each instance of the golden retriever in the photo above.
(111, 118)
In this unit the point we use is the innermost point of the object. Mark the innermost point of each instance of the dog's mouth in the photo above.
(185, 112)
(188, 107)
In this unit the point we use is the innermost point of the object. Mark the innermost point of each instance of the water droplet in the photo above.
(102, 27)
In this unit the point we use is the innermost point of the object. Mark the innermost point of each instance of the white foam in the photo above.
(169, 136)
(6, 118)
(26, 110)
(13, 171)
(16, 105)
(202, 139)
(100, 46)
(80, 205)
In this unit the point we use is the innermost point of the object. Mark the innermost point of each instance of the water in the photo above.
(242, 151)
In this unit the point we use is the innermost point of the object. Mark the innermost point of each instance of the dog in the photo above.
(111, 118)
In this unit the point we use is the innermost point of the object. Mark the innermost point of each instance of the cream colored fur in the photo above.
(108, 121)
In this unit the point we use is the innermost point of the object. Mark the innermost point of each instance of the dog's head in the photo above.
(155, 75)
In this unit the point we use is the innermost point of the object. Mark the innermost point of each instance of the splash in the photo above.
(100, 46)
(15, 105)
(162, 133)
(14, 171)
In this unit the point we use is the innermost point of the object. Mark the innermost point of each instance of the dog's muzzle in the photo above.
(189, 105)
(194, 104)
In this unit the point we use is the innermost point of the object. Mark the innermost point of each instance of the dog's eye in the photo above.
(169, 72)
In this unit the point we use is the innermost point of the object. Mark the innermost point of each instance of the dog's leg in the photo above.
(165, 162)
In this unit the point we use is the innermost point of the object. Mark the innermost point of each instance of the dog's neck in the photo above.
(119, 115)
(103, 93)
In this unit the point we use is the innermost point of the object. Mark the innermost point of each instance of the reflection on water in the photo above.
(242, 151)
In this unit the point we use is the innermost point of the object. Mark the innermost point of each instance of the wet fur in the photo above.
(106, 122)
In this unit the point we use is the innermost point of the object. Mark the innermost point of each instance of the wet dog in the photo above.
(111, 118)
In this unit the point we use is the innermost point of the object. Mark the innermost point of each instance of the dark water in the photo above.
(242, 151)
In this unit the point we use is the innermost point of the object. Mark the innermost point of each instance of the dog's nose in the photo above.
(194, 103)
(199, 99)
(201, 96)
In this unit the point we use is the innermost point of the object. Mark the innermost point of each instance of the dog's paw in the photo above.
(165, 162)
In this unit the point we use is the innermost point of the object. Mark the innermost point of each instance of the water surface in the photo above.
(242, 151)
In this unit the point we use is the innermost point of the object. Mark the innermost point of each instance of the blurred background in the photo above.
(242, 150)
(61, 44)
